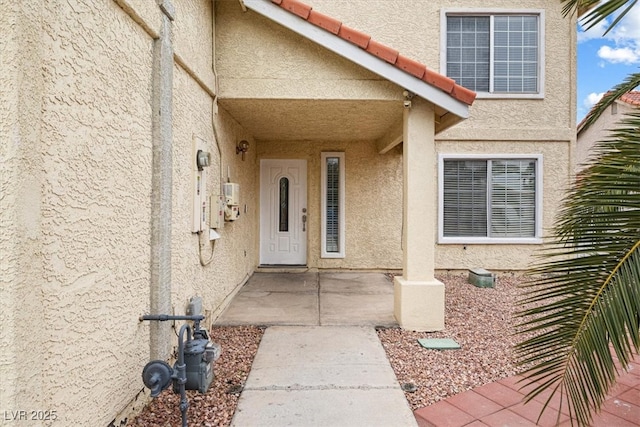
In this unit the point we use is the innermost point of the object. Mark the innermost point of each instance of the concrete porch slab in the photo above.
(361, 283)
(282, 282)
(357, 309)
(312, 298)
(271, 308)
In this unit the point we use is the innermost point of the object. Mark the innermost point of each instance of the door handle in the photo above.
(304, 223)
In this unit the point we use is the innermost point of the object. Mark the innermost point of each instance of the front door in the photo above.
(283, 212)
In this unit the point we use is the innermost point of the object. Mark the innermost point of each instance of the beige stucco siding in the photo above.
(257, 58)
(76, 198)
(600, 130)
(373, 206)
(95, 208)
(21, 270)
(555, 174)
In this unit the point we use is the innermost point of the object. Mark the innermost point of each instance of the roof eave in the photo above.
(359, 56)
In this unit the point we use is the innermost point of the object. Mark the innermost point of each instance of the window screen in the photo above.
(332, 214)
(494, 53)
(489, 198)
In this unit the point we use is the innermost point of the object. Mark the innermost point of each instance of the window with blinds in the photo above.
(333, 205)
(490, 198)
(494, 53)
(332, 208)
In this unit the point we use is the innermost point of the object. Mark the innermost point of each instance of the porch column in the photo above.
(418, 296)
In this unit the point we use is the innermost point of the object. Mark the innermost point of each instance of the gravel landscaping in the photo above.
(479, 319)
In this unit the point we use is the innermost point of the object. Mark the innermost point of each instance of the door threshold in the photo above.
(283, 268)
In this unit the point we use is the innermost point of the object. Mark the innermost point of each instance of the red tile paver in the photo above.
(442, 414)
(631, 395)
(607, 419)
(474, 404)
(531, 411)
(623, 409)
(506, 407)
(500, 394)
(506, 417)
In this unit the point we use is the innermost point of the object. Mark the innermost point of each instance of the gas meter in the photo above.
(192, 371)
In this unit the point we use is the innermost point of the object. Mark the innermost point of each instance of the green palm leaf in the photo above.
(593, 12)
(584, 302)
(630, 83)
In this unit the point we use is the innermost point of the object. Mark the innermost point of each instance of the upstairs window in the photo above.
(494, 54)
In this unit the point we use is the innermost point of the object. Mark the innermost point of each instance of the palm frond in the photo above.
(584, 303)
(592, 12)
(630, 83)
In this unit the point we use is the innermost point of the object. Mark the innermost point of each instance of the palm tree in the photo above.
(583, 304)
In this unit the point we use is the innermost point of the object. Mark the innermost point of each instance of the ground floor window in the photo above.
(332, 180)
(490, 199)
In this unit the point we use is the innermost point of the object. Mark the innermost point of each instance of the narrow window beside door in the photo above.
(333, 205)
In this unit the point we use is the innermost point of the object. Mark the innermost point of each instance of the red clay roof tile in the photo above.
(354, 36)
(296, 7)
(463, 94)
(415, 68)
(324, 21)
(438, 80)
(632, 97)
(382, 51)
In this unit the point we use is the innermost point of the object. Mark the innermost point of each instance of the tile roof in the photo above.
(632, 98)
(388, 54)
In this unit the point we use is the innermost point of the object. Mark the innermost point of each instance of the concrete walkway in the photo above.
(322, 376)
(322, 363)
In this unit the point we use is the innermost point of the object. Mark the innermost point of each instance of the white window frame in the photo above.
(489, 12)
(537, 239)
(323, 209)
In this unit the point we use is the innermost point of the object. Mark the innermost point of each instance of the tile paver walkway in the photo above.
(499, 404)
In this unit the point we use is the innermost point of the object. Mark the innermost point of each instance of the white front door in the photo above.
(283, 212)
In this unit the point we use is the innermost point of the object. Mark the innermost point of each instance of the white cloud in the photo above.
(592, 99)
(623, 55)
(622, 44)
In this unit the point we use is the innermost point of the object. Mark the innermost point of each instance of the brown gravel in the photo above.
(479, 319)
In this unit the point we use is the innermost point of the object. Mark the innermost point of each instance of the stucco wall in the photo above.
(259, 59)
(76, 211)
(373, 206)
(555, 175)
(599, 131)
(22, 326)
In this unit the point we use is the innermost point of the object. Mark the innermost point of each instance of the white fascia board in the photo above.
(359, 56)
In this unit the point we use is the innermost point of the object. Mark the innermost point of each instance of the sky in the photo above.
(605, 61)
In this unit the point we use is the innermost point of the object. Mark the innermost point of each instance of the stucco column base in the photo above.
(419, 305)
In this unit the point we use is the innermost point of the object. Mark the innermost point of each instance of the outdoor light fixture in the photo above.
(242, 147)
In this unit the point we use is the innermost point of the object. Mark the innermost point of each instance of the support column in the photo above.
(418, 296)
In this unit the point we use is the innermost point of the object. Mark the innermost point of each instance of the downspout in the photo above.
(161, 186)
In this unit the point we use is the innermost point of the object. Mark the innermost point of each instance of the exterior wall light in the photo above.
(242, 147)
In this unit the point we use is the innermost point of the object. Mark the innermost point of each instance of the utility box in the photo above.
(481, 278)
